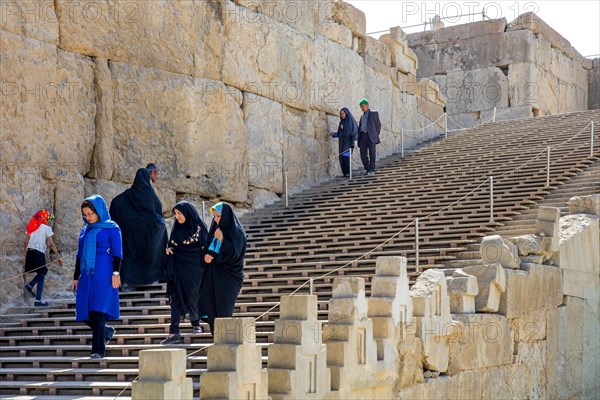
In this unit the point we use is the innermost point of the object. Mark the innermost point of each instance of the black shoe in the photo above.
(172, 339)
(95, 356)
(40, 303)
(109, 333)
(29, 290)
(366, 173)
(371, 172)
(127, 288)
(197, 329)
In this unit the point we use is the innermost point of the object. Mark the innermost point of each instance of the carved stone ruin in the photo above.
(162, 376)
(234, 366)
(297, 365)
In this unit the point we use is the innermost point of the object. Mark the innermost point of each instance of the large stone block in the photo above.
(531, 291)
(496, 250)
(376, 49)
(203, 130)
(476, 90)
(491, 283)
(252, 49)
(337, 33)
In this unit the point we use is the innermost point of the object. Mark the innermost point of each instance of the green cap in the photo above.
(363, 101)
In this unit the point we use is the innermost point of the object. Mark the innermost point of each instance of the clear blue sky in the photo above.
(577, 21)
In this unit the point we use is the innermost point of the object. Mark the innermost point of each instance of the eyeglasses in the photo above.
(88, 214)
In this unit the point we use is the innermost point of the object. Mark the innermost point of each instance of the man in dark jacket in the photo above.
(369, 128)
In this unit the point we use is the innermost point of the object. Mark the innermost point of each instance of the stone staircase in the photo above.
(338, 228)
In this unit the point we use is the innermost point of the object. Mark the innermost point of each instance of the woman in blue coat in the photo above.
(97, 270)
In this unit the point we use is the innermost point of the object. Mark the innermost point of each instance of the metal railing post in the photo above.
(203, 211)
(311, 287)
(592, 141)
(494, 116)
(402, 143)
(286, 188)
(548, 169)
(446, 125)
(491, 199)
(418, 269)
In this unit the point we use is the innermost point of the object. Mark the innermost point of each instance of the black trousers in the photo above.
(176, 317)
(345, 164)
(368, 152)
(100, 331)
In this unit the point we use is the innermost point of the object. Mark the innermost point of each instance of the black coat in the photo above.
(373, 127)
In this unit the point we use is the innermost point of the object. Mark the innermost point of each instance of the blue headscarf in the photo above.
(348, 126)
(88, 258)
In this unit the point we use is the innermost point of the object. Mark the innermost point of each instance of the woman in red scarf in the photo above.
(38, 232)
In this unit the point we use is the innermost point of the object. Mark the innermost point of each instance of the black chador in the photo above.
(224, 275)
(138, 212)
(184, 266)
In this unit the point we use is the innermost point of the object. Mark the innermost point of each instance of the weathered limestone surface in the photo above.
(162, 376)
(35, 20)
(585, 205)
(263, 119)
(479, 341)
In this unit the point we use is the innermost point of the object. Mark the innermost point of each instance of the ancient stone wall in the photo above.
(523, 69)
(223, 95)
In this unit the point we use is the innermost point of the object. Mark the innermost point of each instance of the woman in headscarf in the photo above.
(138, 212)
(97, 267)
(224, 263)
(346, 134)
(184, 268)
(38, 232)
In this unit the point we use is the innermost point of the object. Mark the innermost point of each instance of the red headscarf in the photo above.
(41, 217)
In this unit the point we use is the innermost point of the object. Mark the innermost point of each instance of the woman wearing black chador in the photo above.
(224, 264)
(184, 268)
(346, 134)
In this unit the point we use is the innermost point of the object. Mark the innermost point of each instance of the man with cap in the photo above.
(369, 128)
